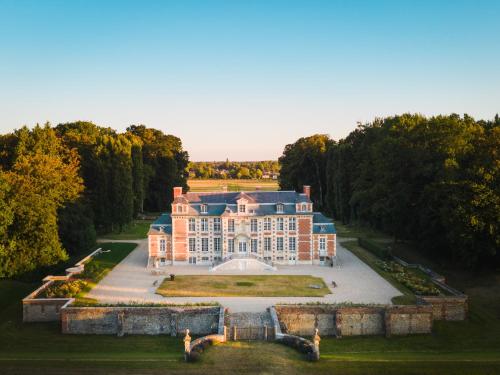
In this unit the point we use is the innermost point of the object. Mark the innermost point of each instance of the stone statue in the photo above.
(316, 340)
(187, 342)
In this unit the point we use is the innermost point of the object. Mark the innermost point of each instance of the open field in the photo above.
(136, 230)
(242, 286)
(232, 185)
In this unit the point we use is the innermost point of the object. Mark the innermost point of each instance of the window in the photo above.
(279, 224)
(267, 243)
(230, 225)
(192, 244)
(292, 224)
(192, 260)
(230, 245)
(254, 245)
(242, 247)
(253, 225)
(192, 224)
(267, 223)
(179, 208)
(304, 207)
(217, 224)
(204, 259)
(204, 208)
(204, 224)
(279, 243)
(242, 208)
(217, 244)
(163, 246)
(204, 244)
(322, 244)
(279, 208)
(292, 244)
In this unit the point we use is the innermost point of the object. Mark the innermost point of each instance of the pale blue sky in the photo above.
(240, 79)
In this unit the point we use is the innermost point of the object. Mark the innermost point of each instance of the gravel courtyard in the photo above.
(130, 281)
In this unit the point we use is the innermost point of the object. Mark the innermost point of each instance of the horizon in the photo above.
(274, 71)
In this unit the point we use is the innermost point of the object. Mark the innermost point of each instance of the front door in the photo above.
(242, 247)
(192, 260)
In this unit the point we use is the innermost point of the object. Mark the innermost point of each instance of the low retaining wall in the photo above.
(447, 308)
(140, 320)
(355, 321)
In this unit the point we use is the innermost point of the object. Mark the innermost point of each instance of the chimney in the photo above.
(177, 191)
(307, 191)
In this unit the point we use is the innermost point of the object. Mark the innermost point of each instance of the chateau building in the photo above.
(277, 227)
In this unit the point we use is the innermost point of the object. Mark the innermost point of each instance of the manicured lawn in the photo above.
(136, 230)
(248, 286)
(232, 185)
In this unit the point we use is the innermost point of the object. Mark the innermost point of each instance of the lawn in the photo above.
(136, 230)
(246, 286)
(232, 185)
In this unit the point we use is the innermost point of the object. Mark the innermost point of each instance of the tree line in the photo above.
(60, 186)
(433, 181)
(234, 170)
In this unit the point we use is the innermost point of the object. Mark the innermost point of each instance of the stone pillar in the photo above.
(316, 340)
(234, 333)
(187, 345)
(338, 324)
(173, 325)
(265, 333)
(120, 330)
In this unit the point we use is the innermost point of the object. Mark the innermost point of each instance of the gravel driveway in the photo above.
(356, 282)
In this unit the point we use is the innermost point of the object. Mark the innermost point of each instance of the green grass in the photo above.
(232, 185)
(247, 286)
(136, 230)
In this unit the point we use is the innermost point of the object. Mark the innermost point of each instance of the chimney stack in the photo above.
(307, 191)
(177, 191)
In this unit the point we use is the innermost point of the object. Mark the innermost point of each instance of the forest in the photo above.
(61, 186)
(267, 169)
(432, 181)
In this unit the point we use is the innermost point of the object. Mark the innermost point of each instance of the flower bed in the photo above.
(406, 276)
(64, 289)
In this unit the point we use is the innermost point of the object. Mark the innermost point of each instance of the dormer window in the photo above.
(242, 208)
(204, 209)
(179, 208)
(279, 208)
(304, 207)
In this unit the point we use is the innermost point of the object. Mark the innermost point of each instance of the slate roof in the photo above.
(252, 196)
(323, 224)
(161, 225)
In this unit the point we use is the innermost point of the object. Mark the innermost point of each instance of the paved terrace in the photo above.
(130, 281)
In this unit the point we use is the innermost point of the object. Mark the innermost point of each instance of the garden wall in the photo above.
(44, 310)
(447, 308)
(140, 320)
(354, 321)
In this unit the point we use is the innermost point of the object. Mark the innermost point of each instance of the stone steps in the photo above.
(249, 319)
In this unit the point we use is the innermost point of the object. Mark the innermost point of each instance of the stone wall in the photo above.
(43, 310)
(360, 321)
(447, 308)
(341, 321)
(302, 320)
(140, 320)
(406, 320)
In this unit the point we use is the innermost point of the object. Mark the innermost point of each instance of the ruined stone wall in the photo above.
(360, 321)
(447, 308)
(302, 320)
(43, 310)
(140, 320)
(405, 320)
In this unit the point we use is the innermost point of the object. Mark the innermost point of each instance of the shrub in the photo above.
(68, 289)
(380, 251)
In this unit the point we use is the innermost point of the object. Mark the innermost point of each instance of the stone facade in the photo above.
(277, 227)
(140, 320)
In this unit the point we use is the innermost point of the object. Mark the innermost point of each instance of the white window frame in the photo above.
(242, 247)
(242, 208)
(267, 223)
(280, 224)
(322, 244)
(279, 208)
(204, 224)
(230, 245)
(217, 246)
(279, 243)
(292, 223)
(192, 244)
(254, 245)
(162, 245)
(230, 225)
(267, 244)
(192, 224)
(253, 225)
(204, 244)
(217, 224)
(292, 244)
(203, 208)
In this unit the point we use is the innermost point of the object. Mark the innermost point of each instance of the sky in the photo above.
(241, 79)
